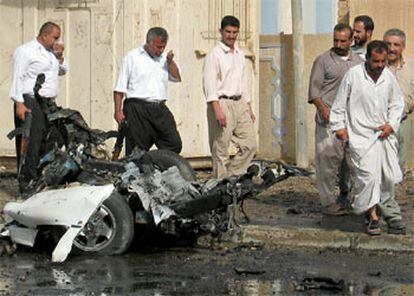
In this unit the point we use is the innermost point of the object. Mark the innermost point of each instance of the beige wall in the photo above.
(277, 86)
(386, 15)
(98, 33)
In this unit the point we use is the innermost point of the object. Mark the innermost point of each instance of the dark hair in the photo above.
(342, 27)
(395, 32)
(366, 20)
(47, 28)
(157, 32)
(378, 46)
(230, 20)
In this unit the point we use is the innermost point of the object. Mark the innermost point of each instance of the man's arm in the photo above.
(58, 49)
(396, 106)
(245, 92)
(118, 114)
(315, 89)
(173, 70)
(339, 110)
(21, 61)
(210, 88)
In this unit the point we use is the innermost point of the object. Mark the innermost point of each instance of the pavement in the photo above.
(289, 215)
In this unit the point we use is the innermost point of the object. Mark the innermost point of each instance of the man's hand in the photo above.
(119, 116)
(21, 110)
(58, 48)
(323, 109)
(221, 118)
(325, 113)
(218, 113)
(342, 135)
(386, 131)
(170, 57)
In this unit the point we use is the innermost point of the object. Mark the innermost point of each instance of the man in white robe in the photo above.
(366, 114)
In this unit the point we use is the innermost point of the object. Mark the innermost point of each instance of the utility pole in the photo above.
(301, 133)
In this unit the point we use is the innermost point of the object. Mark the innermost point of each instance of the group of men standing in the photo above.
(363, 94)
(140, 94)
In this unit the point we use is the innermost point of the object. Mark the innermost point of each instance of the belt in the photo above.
(142, 101)
(234, 98)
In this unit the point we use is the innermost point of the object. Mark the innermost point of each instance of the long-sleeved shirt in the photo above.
(29, 60)
(327, 72)
(405, 77)
(225, 74)
(144, 77)
(362, 105)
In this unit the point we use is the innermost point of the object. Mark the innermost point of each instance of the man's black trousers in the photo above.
(150, 123)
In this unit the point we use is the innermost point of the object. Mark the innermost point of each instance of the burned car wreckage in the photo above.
(157, 188)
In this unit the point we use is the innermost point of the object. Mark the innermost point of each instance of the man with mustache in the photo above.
(43, 54)
(363, 30)
(143, 81)
(327, 72)
(403, 69)
(366, 115)
(229, 113)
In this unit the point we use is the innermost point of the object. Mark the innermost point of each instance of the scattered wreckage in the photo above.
(92, 204)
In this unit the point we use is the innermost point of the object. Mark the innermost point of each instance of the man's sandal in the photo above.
(373, 228)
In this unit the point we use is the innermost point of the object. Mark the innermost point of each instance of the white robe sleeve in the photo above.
(337, 117)
(395, 106)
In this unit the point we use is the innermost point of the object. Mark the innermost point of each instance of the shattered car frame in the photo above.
(156, 188)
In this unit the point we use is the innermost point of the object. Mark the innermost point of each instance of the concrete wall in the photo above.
(98, 33)
(387, 15)
(276, 105)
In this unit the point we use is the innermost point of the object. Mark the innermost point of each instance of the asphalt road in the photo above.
(224, 269)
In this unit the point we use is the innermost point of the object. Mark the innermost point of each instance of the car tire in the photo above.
(109, 231)
(165, 159)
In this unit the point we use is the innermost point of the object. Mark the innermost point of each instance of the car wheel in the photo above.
(165, 159)
(109, 230)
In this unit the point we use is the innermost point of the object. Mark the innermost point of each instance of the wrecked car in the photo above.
(92, 204)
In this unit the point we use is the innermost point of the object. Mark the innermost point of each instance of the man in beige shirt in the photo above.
(327, 72)
(403, 69)
(229, 113)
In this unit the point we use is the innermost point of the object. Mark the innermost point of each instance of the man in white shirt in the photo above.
(366, 115)
(143, 80)
(41, 55)
(230, 116)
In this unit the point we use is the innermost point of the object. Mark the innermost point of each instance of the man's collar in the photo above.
(401, 64)
(39, 45)
(350, 56)
(380, 79)
(227, 49)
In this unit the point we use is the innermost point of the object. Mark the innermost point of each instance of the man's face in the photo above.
(48, 40)
(395, 48)
(376, 63)
(342, 42)
(229, 35)
(360, 35)
(156, 47)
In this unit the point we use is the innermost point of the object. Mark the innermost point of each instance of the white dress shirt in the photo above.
(143, 77)
(225, 73)
(29, 60)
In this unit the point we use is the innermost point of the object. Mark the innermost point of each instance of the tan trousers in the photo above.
(239, 131)
(330, 163)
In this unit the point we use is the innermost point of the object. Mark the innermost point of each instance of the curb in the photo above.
(272, 237)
